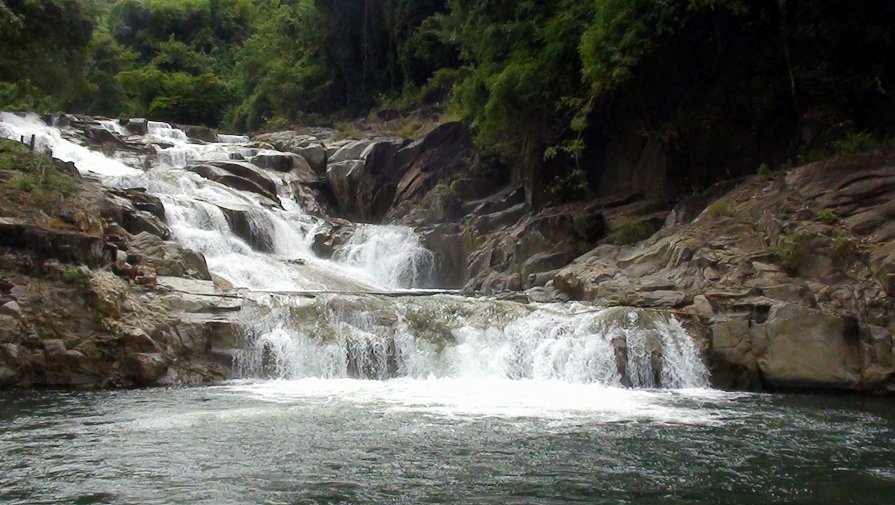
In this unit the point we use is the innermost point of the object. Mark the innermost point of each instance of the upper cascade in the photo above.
(253, 240)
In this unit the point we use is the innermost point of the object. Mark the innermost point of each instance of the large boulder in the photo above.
(202, 133)
(169, 258)
(799, 347)
(144, 369)
(238, 175)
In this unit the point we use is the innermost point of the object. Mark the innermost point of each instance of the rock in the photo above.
(50, 243)
(169, 258)
(135, 340)
(340, 177)
(239, 175)
(144, 369)
(106, 293)
(701, 306)
(202, 133)
(353, 150)
(243, 224)
(285, 162)
(315, 155)
(882, 263)
(809, 349)
(137, 126)
(54, 349)
(331, 235)
(9, 377)
(11, 308)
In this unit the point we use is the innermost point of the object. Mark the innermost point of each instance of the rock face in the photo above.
(84, 301)
(790, 278)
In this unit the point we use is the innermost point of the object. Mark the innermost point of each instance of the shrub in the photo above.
(632, 232)
(793, 249)
(827, 216)
(721, 208)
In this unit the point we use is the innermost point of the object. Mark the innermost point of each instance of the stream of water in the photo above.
(352, 396)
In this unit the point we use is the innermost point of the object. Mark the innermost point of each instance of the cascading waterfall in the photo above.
(266, 249)
(393, 255)
(451, 337)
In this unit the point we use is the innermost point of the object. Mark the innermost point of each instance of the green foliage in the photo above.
(793, 249)
(42, 51)
(844, 249)
(570, 186)
(632, 232)
(76, 276)
(827, 216)
(719, 209)
(856, 143)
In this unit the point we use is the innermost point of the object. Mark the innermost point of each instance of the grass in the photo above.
(631, 233)
(851, 144)
(719, 209)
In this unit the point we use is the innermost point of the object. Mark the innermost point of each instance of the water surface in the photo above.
(443, 441)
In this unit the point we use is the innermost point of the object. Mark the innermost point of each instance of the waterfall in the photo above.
(49, 139)
(393, 255)
(264, 250)
(232, 139)
(114, 127)
(451, 337)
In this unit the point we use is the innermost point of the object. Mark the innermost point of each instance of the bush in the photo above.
(827, 216)
(793, 249)
(719, 209)
(632, 232)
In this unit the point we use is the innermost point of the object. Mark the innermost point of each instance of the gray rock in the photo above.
(809, 349)
(11, 308)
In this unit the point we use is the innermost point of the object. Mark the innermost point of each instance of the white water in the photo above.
(469, 343)
(452, 337)
(193, 210)
(49, 139)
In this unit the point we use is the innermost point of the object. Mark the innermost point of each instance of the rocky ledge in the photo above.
(92, 292)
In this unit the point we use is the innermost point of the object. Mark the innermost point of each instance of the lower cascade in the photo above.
(446, 336)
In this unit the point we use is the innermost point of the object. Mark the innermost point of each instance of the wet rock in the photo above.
(244, 224)
(202, 133)
(285, 162)
(315, 155)
(144, 369)
(137, 126)
(239, 175)
(331, 235)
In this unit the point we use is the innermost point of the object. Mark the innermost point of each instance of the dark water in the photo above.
(443, 441)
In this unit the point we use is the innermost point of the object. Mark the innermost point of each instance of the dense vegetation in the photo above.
(547, 83)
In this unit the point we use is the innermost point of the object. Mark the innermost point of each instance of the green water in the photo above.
(443, 441)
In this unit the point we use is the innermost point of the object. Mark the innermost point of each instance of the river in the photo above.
(443, 441)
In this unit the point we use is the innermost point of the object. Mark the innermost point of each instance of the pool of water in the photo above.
(443, 441)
